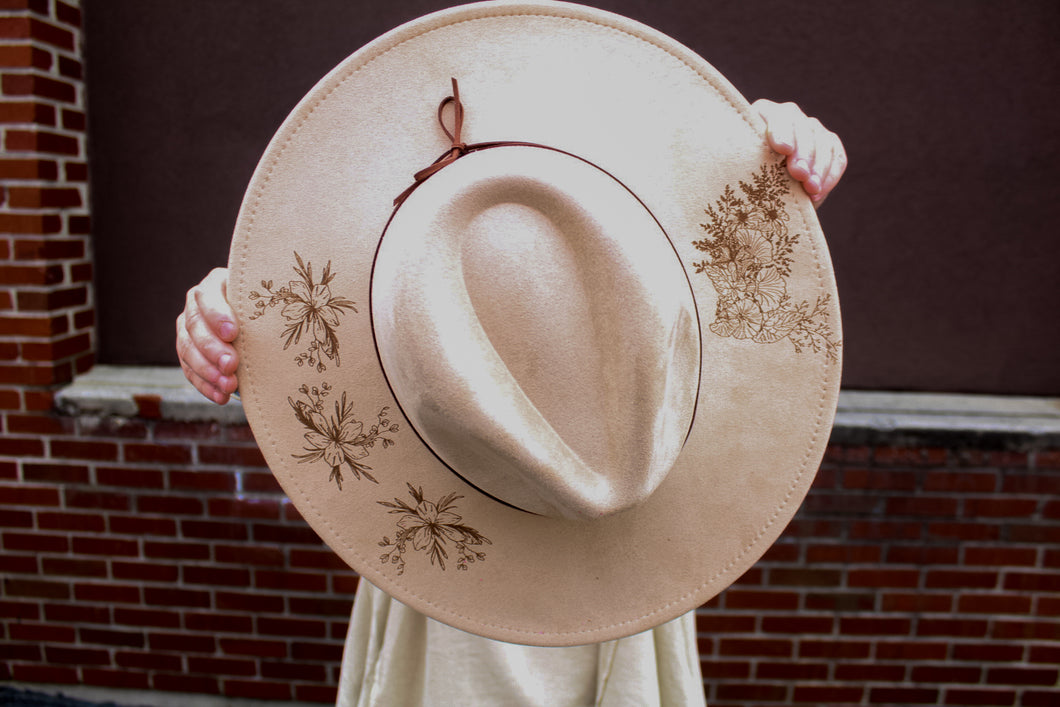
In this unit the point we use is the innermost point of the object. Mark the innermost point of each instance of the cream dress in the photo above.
(397, 657)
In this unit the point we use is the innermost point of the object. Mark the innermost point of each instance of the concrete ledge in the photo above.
(863, 417)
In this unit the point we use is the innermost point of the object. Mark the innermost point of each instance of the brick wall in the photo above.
(140, 552)
(46, 313)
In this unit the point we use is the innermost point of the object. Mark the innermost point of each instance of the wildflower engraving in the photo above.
(748, 257)
(310, 310)
(338, 438)
(430, 528)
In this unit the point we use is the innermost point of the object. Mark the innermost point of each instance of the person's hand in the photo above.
(205, 330)
(816, 157)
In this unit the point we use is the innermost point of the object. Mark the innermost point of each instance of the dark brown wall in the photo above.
(943, 232)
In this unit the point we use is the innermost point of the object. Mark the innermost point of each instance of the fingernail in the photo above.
(225, 363)
(814, 183)
(228, 331)
(801, 166)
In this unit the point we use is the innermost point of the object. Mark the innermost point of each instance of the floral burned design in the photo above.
(749, 250)
(430, 527)
(310, 310)
(339, 438)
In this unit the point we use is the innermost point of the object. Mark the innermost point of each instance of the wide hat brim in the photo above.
(665, 124)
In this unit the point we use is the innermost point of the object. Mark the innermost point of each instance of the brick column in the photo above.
(47, 317)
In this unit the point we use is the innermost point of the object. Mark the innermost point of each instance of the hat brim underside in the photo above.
(666, 124)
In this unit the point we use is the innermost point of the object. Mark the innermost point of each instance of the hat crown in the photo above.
(538, 331)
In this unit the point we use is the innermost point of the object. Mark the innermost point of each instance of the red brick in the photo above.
(44, 674)
(36, 542)
(33, 197)
(84, 522)
(1034, 630)
(903, 695)
(76, 614)
(344, 584)
(73, 567)
(81, 449)
(316, 606)
(323, 694)
(169, 505)
(74, 171)
(10, 400)
(216, 576)
(1007, 556)
(292, 581)
(250, 555)
(1034, 533)
(1045, 654)
(30, 111)
(961, 481)
(305, 628)
(39, 424)
(130, 477)
(716, 623)
(182, 682)
(202, 480)
(222, 666)
(756, 647)
(980, 652)
(106, 546)
(946, 674)
(18, 564)
(25, 56)
(23, 611)
(1000, 507)
(168, 596)
(1040, 698)
(147, 661)
(148, 618)
(257, 689)
(36, 589)
(979, 696)
(1033, 582)
(825, 694)
(51, 249)
(30, 84)
(30, 223)
(317, 559)
(961, 628)
(294, 672)
(71, 69)
(109, 592)
(961, 579)
(43, 633)
(41, 141)
(37, 375)
(843, 554)
(884, 530)
(218, 623)
(1047, 459)
(923, 555)
(21, 447)
(883, 578)
(744, 693)
(332, 653)
(123, 679)
(994, 604)
(176, 551)
(874, 626)
(80, 225)
(33, 28)
(24, 652)
(917, 603)
(182, 642)
(142, 526)
(29, 495)
(259, 648)
(1049, 606)
(974, 532)
(922, 506)
(231, 455)
(840, 601)
(833, 503)
(879, 479)
(213, 530)
(257, 602)
(96, 499)
(28, 169)
(158, 453)
(1023, 676)
(15, 519)
(797, 624)
(865, 672)
(67, 14)
(1041, 483)
(285, 535)
(260, 509)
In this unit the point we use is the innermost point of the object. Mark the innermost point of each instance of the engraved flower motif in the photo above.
(431, 528)
(310, 310)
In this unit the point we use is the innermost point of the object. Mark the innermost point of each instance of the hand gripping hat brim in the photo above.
(635, 287)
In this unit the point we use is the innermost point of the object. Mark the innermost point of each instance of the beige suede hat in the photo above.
(571, 380)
